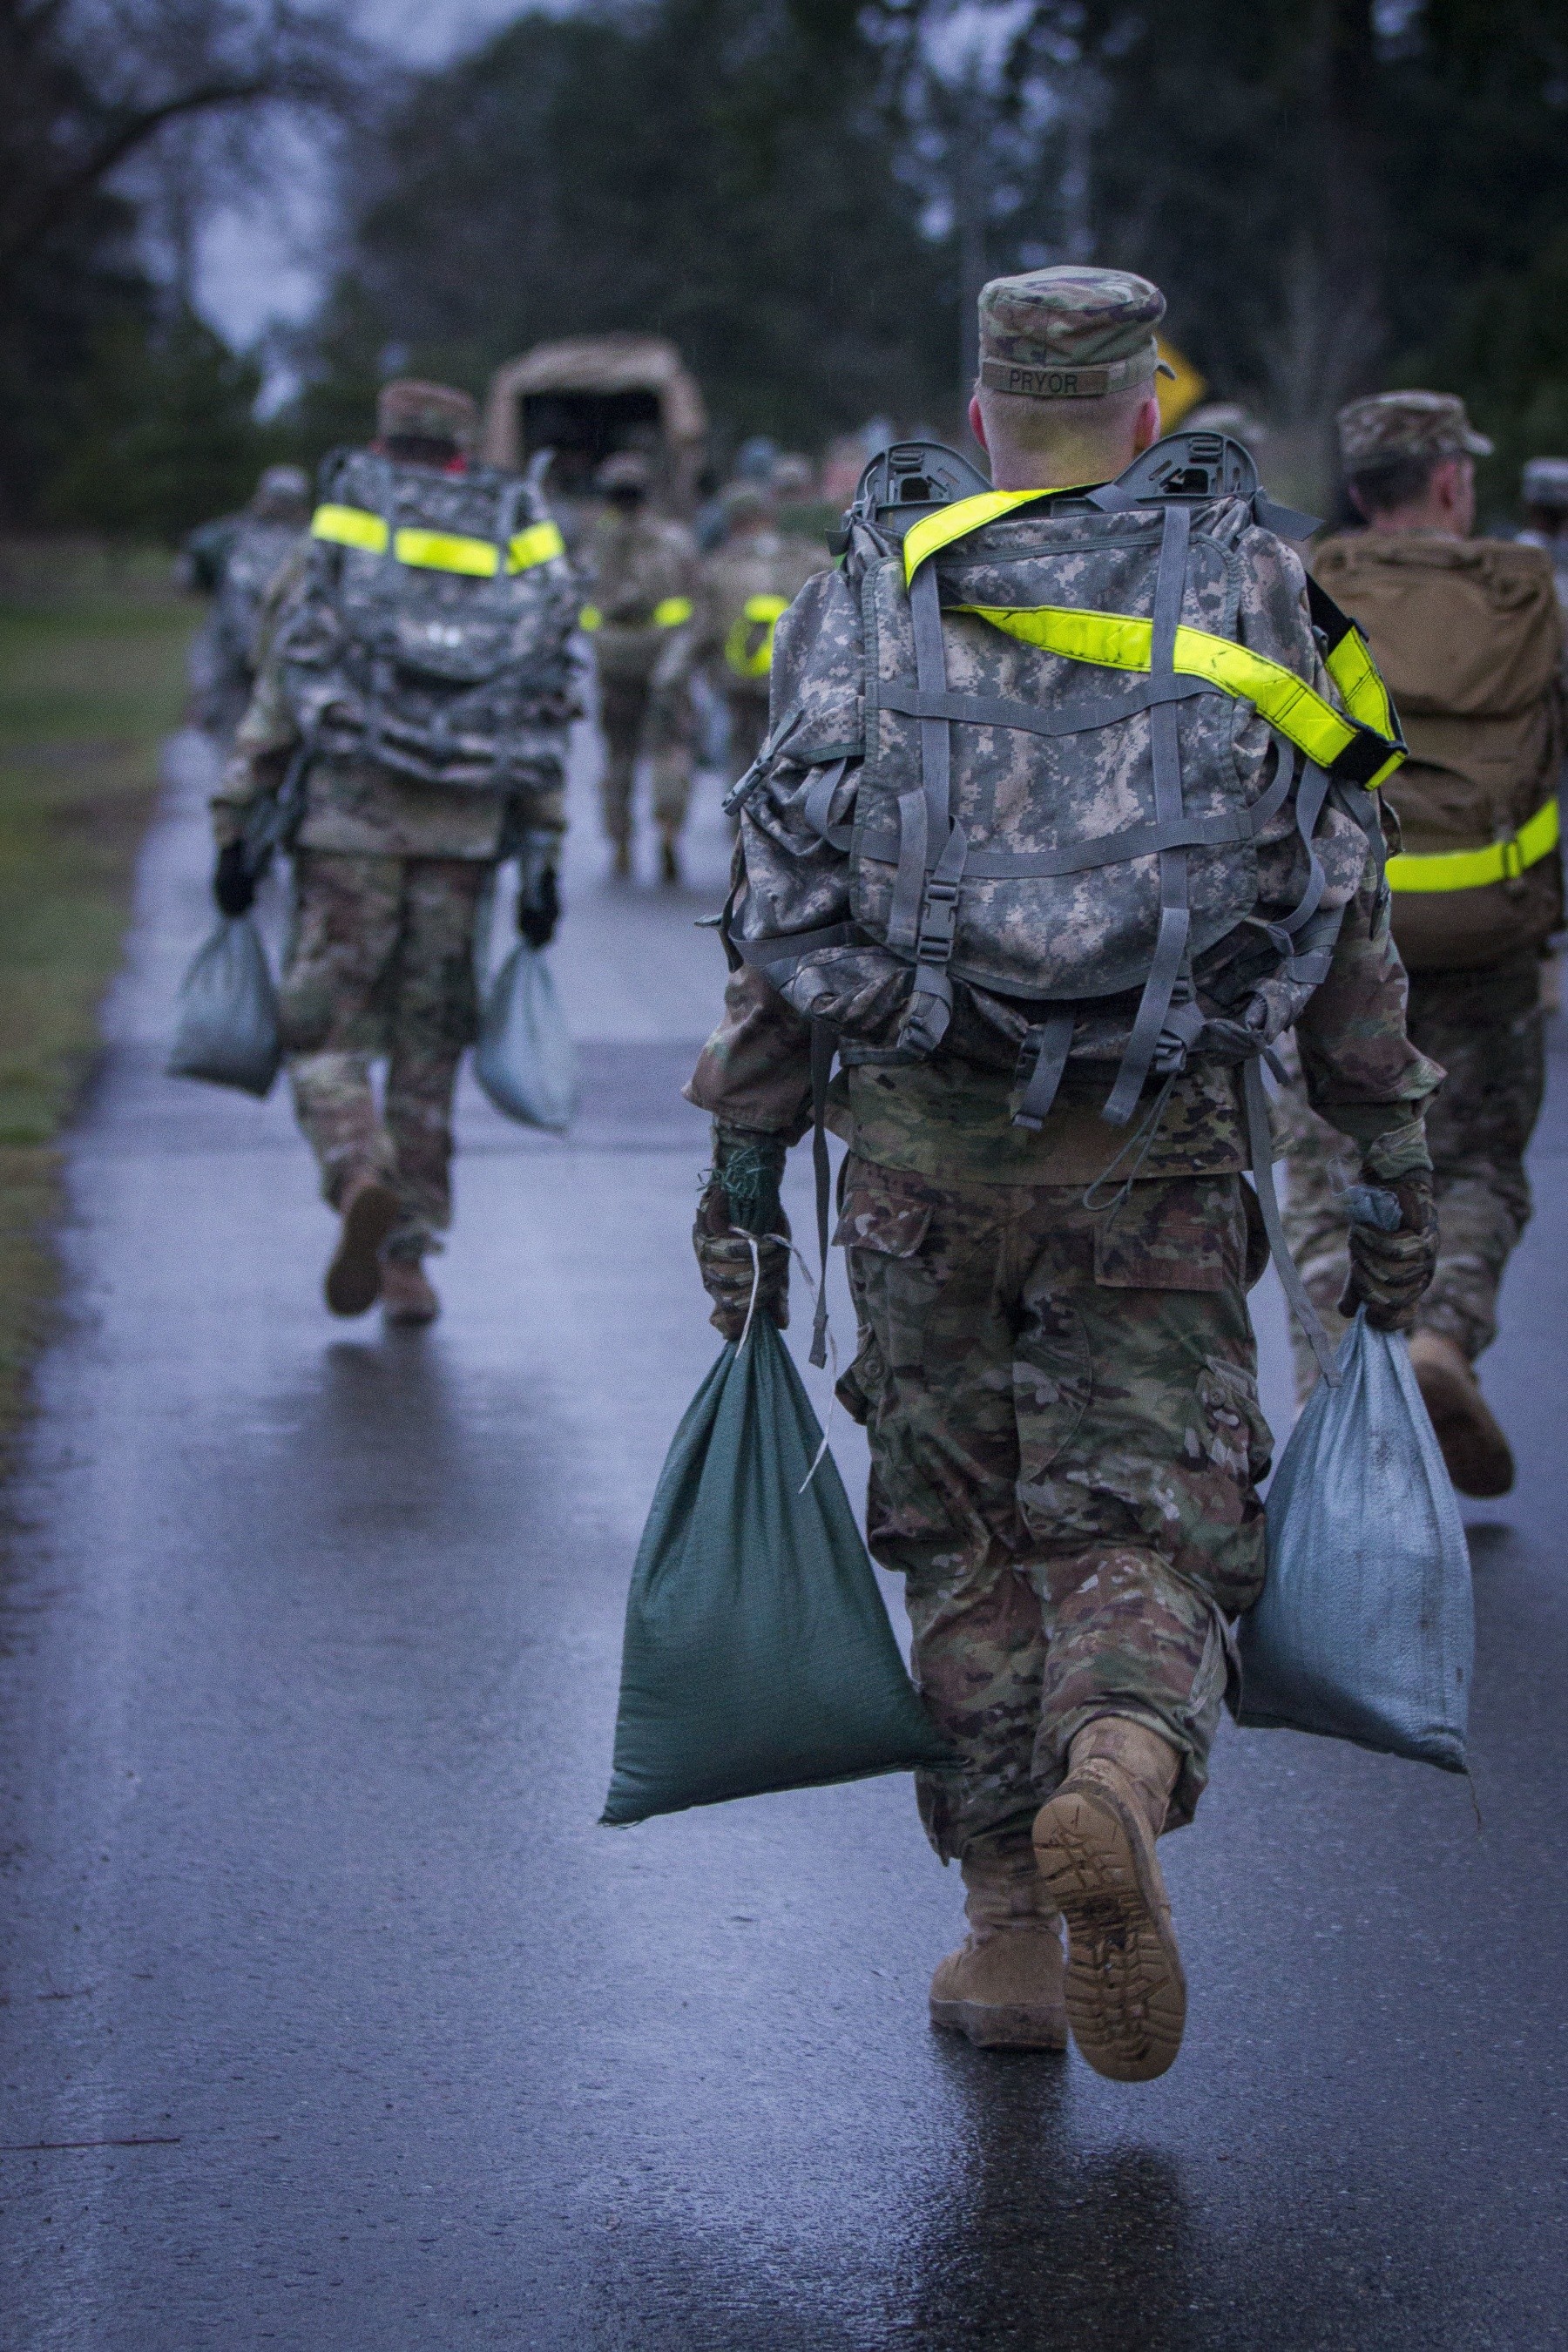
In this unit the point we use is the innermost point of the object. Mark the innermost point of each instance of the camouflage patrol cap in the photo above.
(629, 469)
(1407, 424)
(425, 412)
(746, 502)
(1545, 483)
(1070, 333)
(282, 495)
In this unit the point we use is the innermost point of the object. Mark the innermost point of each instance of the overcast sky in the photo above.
(257, 265)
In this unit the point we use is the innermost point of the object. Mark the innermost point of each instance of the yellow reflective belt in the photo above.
(448, 551)
(349, 527)
(437, 551)
(1471, 869)
(537, 545)
(1118, 641)
(746, 659)
(669, 613)
(964, 514)
(1354, 672)
(590, 617)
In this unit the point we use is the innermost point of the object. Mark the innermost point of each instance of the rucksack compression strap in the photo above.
(1348, 747)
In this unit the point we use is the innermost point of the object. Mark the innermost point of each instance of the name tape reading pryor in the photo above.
(1045, 384)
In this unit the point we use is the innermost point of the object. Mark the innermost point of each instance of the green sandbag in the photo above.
(758, 1653)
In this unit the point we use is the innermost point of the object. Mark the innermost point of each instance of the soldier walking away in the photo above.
(1544, 495)
(235, 562)
(641, 618)
(749, 583)
(407, 734)
(1049, 897)
(1469, 634)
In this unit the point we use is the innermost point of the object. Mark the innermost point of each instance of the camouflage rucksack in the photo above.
(251, 562)
(923, 868)
(921, 871)
(432, 630)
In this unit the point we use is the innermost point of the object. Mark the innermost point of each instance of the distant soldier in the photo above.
(751, 578)
(235, 562)
(643, 587)
(1469, 634)
(407, 733)
(1544, 488)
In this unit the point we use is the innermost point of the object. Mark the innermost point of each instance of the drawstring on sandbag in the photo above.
(753, 1242)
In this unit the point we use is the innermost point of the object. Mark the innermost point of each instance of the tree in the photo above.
(717, 170)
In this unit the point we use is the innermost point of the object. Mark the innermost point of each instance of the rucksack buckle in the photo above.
(939, 922)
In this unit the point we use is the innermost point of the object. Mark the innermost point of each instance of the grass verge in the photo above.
(91, 677)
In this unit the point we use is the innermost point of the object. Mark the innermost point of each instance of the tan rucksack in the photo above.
(1468, 637)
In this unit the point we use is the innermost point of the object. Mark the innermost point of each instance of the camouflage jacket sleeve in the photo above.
(1362, 1074)
(755, 1069)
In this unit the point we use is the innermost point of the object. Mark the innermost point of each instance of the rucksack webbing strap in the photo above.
(824, 1046)
(1261, 1151)
(1175, 914)
(1347, 748)
(1053, 1044)
(926, 829)
(1104, 849)
(998, 711)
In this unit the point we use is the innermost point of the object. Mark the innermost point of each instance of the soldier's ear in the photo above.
(977, 422)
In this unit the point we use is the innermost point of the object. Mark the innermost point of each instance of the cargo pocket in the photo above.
(1234, 1435)
(884, 1220)
(1178, 1232)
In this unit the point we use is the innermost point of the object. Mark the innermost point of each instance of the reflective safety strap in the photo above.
(540, 543)
(445, 551)
(434, 551)
(935, 531)
(349, 527)
(1347, 748)
(1348, 659)
(1260, 1149)
(590, 618)
(1472, 869)
(746, 653)
(671, 611)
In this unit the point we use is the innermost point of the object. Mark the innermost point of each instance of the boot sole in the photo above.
(1474, 1448)
(407, 1318)
(353, 1283)
(1126, 1995)
(989, 2025)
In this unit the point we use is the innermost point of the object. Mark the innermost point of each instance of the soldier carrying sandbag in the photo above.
(1469, 634)
(407, 734)
(1067, 813)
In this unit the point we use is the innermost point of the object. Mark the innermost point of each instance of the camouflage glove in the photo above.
(1393, 1248)
(742, 1191)
(234, 885)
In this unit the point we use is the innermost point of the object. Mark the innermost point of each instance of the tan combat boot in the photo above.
(369, 1211)
(406, 1294)
(1126, 1995)
(1474, 1447)
(1003, 1987)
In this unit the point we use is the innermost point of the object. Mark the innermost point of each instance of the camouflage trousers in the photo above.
(1486, 1029)
(381, 962)
(1066, 1442)
(639, 719)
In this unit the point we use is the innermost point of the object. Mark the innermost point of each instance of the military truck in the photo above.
(587, 398)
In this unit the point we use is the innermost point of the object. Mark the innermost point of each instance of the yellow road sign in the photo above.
(1178, 393)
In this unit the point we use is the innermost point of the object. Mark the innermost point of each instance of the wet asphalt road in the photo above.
(330, 2019)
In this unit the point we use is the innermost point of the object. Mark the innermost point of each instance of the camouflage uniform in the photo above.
(1483, 1024)
(236, 561)
(643, 587)
(750, 564)
(390, 882)
(1055, 1365)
